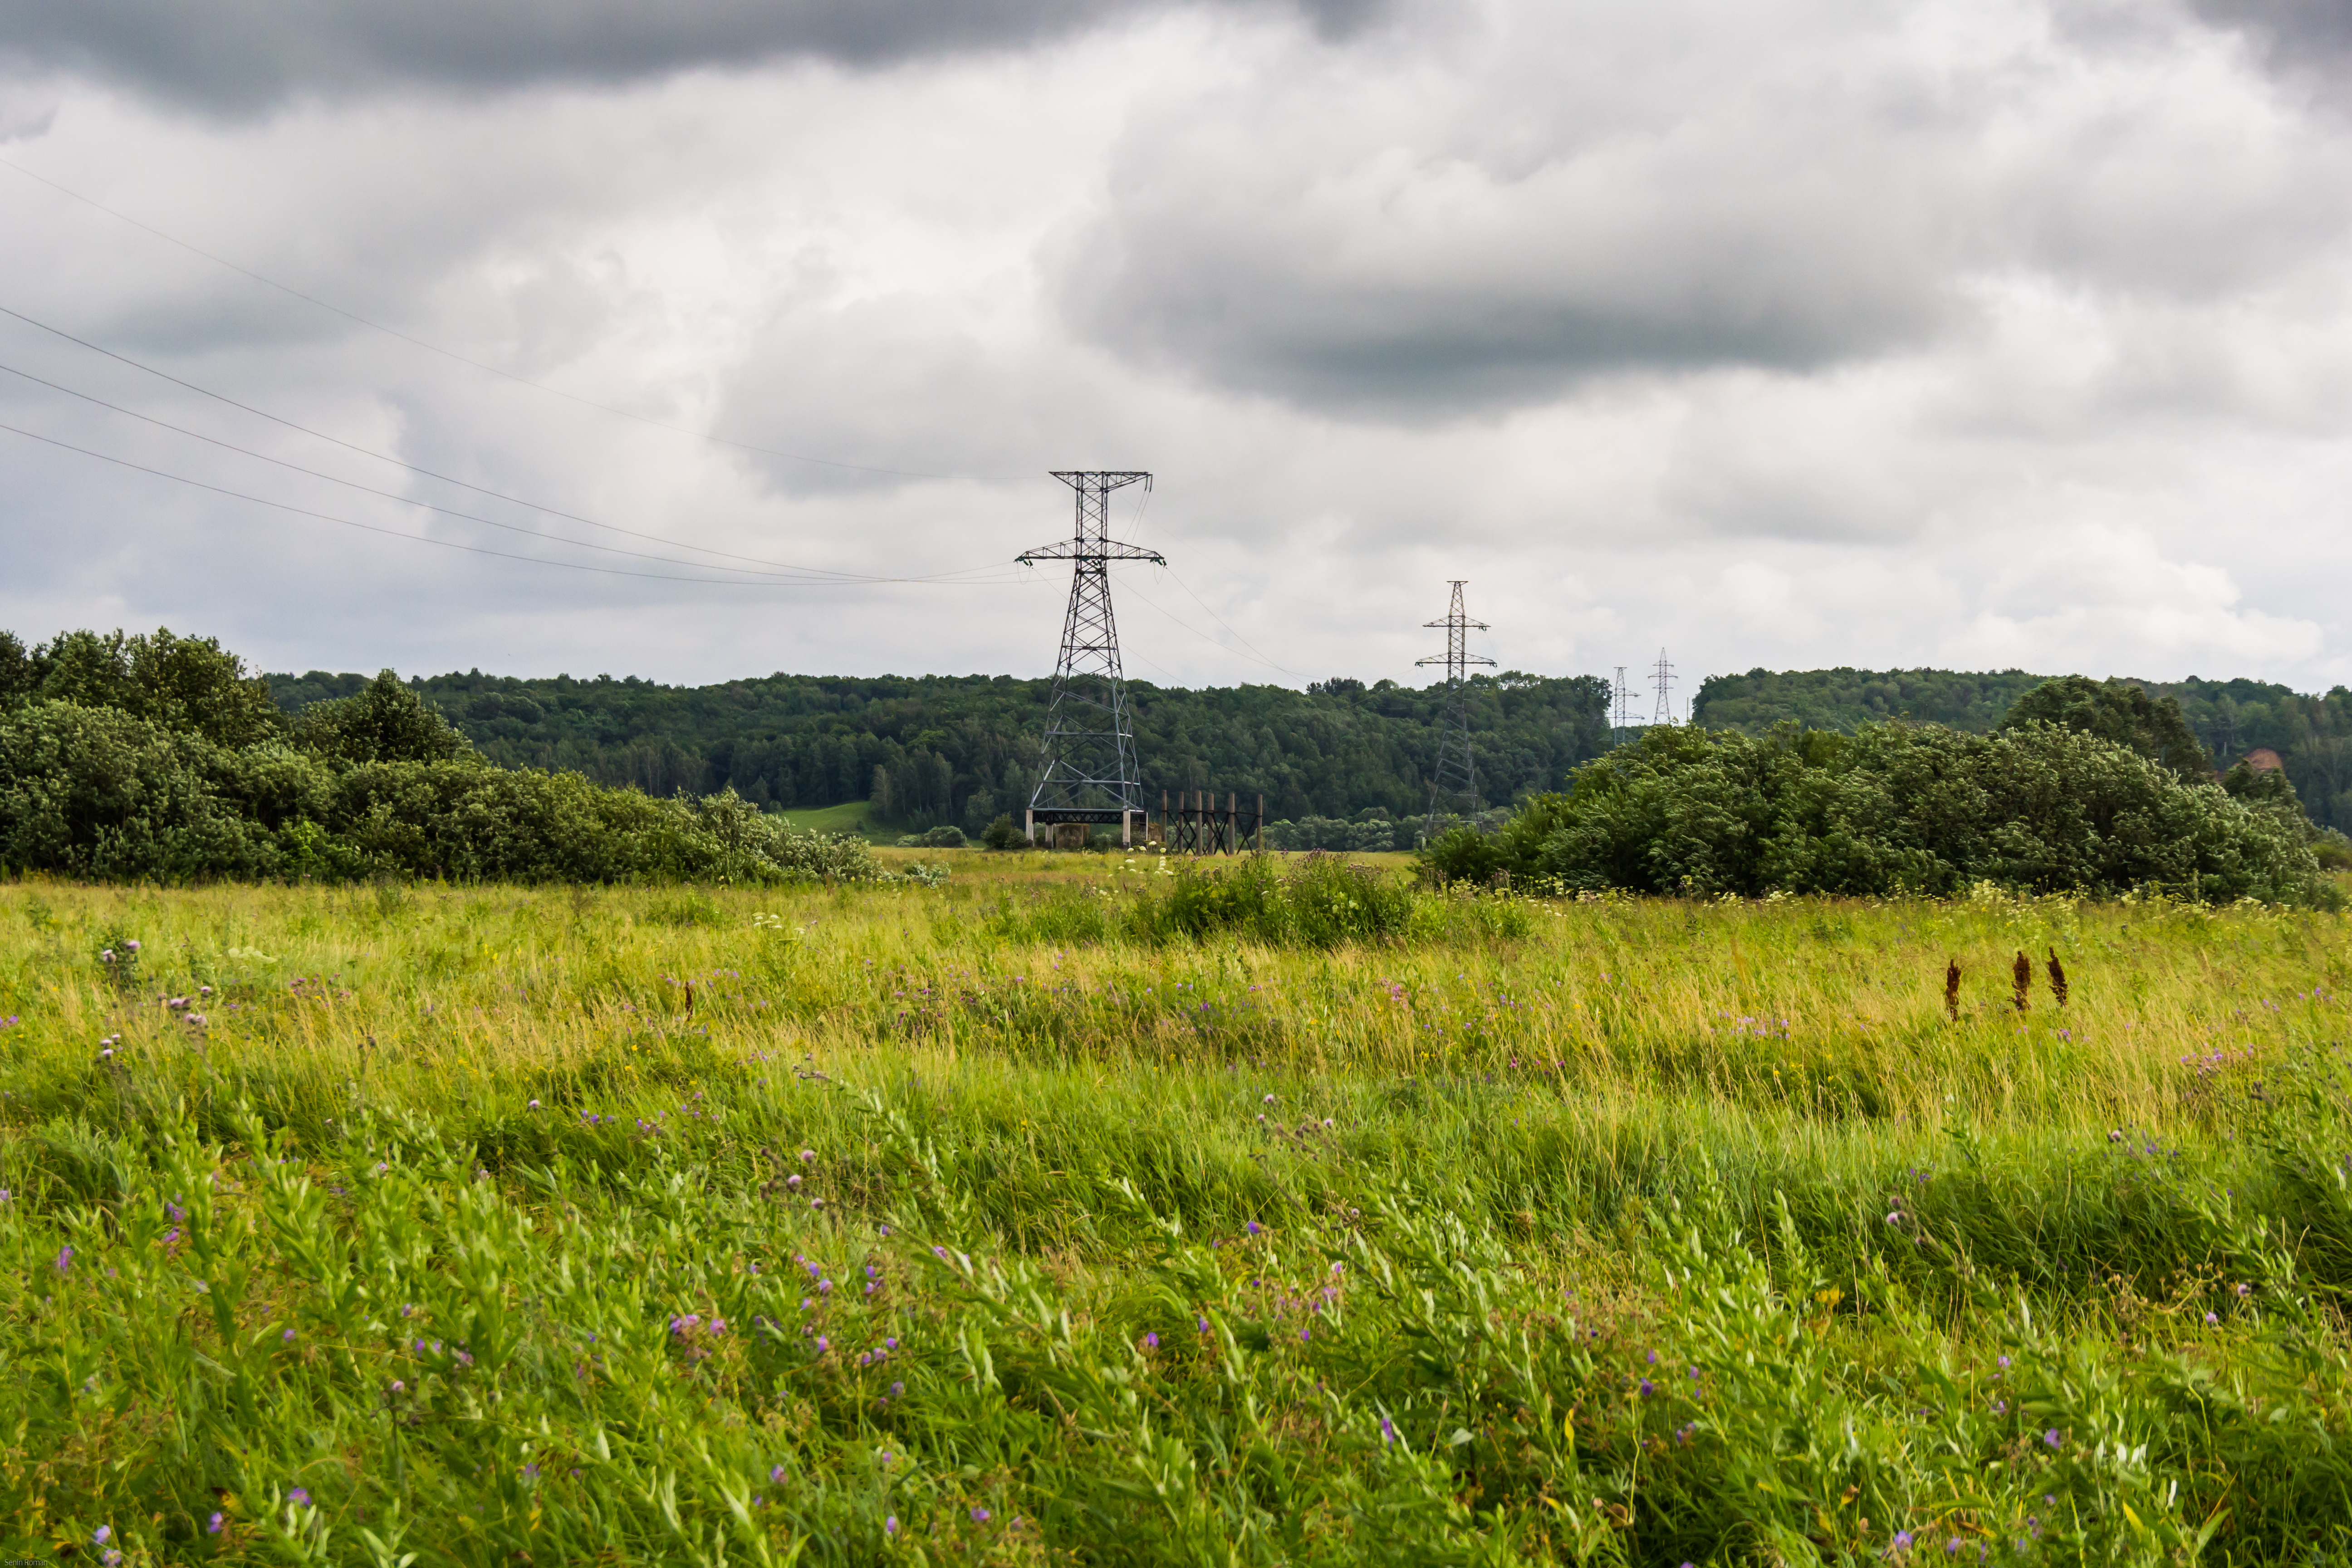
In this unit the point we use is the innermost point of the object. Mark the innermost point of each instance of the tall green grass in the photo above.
(1235, 1242)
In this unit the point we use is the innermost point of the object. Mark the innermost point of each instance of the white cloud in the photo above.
(1786, 334)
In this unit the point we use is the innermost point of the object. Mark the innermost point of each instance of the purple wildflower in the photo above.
(213, 1525)
(1152, 1341)
(978, 1514)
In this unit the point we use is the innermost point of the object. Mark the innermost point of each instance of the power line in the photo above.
(412, 467)
(829, 579)
(1236, 635)
(491, 369)
(1214, 642)
(413, 538)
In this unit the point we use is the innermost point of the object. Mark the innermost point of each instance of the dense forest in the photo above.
(959, 750)
(2312, 735)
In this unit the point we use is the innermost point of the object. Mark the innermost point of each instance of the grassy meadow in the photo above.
(951, 1225)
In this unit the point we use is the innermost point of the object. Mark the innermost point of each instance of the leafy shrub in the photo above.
(1002, 833)
(1462, 855)
(1320, 902)
(100, 792)
(1374, 834)
(947, 836)
(1896, 808)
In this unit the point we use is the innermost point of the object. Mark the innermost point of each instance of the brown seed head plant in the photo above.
(1952, 991)
(2057, 978)
(2021, 976)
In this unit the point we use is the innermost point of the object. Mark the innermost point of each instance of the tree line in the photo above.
(931, 751)
(2229, 719)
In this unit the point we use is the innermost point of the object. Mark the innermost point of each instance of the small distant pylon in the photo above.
(1620, 718)
(1665, 711)
(1456, 775)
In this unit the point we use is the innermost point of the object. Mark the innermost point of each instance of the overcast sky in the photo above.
(1784, 333)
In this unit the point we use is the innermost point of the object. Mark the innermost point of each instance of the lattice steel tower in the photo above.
(1457, 778)
(1665, 711)
(1087, 770)
(1621, 719)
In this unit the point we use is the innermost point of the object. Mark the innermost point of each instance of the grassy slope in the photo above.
(848, 817)
(1898, 1275)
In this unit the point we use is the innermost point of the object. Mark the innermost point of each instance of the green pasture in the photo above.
(850, 816)
(998, 1222)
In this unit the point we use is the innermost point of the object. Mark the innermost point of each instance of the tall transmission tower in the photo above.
(1087, 771)
(1456, 775)
(1621, 719)
(1665, 711)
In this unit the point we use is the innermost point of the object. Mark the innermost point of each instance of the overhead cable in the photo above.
(427, 473)
(425, 539)
(446, 511)
(354, 317)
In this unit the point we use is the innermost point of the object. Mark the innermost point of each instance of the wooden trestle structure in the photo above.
(1192, 823)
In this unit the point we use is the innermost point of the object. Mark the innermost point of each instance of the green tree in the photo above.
(385, 722)
(2118, 711)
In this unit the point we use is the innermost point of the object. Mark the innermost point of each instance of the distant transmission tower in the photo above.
(1664, 713)
(1457, 777)
(1087, 766)
(1621, 719)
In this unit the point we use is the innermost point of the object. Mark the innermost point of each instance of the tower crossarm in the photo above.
(1093, 550)
(1450, 659)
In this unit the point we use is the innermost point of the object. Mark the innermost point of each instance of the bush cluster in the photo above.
(1894, 808)
(1373, 832)
(1321, 902)
(158, 758)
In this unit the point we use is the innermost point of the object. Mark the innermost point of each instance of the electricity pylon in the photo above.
(1456, 776)
(1621, 701)
(1665, 711)
(1086, 769)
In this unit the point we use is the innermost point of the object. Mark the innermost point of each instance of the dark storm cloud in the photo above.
(239, 56)
(2295, 35)
(1452, 286)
